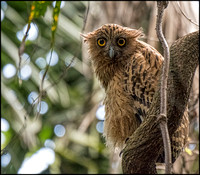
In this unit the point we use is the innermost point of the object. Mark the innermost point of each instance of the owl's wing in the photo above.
(141, 78)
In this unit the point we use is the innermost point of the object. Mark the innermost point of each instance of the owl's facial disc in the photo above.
(111, 52)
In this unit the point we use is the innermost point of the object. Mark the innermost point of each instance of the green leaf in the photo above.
(38, 8)
(46, 133)
(56, 12)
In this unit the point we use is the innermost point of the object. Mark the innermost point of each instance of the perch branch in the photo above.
(161, 5)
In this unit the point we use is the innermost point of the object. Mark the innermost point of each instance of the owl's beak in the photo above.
(111, 52)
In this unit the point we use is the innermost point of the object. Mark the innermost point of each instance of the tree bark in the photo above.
(144, 146)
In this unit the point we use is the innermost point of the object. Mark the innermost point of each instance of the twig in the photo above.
(161, 5)
(78, 52)
(85, 17)
(43, 91)
(62, 75)
(14, 138)
(186, 15)
(21, 51)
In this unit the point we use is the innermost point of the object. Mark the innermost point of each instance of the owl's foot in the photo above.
(121, 152)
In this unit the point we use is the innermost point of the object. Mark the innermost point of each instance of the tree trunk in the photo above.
(145, 145)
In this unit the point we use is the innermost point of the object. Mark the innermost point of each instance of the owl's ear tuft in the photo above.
(137, 33)
(141, 32)
(85, 36)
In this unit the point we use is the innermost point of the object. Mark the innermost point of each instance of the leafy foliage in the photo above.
(67, 90)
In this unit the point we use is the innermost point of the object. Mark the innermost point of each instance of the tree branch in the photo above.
(144, 146)
(186, 15)
(161, 5)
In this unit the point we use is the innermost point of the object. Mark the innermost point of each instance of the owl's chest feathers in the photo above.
(119, 118)
(130, 90)
(107, 71)
(118, 102)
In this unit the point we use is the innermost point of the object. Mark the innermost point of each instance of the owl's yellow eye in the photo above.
(121, 42)
(101, 42)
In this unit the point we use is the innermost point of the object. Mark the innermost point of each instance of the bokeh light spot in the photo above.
(2, 15)
(32, 97)
(9, 70)
(41, 62)
(4, 5)
(38, 162)
(20, 35)
(192, 146)
(61, 5)
(100, 126)
(5, 159)
(43, 108)
(49, 144)
(4, 125)
(33, 31)
(32, 34)
(25, 72)
(42, 73)
(25, 58)
(59, 130)
(54, 58)
(100, 113)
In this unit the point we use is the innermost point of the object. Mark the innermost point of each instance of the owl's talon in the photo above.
(121, 152)
(126, 139)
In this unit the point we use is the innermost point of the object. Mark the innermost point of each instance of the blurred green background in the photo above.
(67, 136)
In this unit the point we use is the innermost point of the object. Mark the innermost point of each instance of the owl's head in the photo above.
(111, 41)
(110, 46)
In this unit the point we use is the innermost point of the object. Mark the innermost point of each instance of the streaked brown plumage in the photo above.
(128, 70)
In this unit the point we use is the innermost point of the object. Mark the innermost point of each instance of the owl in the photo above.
(129, 70)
